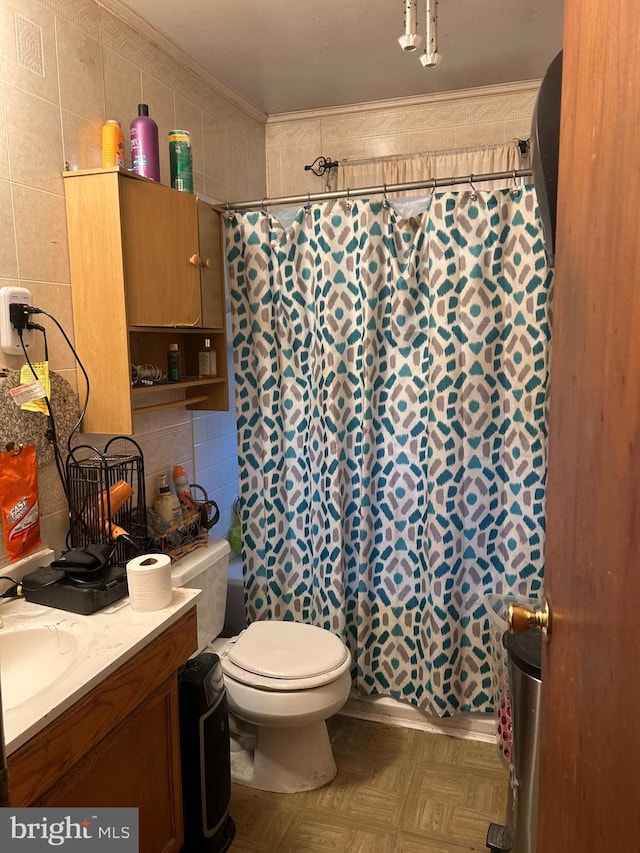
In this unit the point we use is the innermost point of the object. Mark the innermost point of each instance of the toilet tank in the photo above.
(206, 569)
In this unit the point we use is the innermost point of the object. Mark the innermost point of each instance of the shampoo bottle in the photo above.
(145, 154)
(167, 504)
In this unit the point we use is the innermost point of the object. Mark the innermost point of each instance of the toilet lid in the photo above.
(288, 651)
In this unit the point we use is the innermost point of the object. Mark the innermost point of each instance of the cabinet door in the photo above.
(212, 266)
(136, 765)
(161, 260)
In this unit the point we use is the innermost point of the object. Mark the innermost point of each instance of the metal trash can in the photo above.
(524, 652)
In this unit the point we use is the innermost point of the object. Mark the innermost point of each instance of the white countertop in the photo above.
(105, 640)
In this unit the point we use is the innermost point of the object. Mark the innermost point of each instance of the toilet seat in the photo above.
(285, 656)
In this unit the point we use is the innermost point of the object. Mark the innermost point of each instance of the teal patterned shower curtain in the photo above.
(391, 394)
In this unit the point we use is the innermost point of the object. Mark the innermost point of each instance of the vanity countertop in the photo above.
(103, 642)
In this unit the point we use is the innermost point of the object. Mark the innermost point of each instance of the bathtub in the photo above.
(235, 619)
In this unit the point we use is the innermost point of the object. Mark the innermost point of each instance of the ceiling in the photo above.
(289, 55)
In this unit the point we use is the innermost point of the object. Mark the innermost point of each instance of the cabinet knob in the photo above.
(206, 263)
(195, 260)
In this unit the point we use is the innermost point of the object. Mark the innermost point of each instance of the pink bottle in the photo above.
(145, 155)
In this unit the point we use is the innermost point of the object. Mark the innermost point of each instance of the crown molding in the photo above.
(128, 16)
(412, 101)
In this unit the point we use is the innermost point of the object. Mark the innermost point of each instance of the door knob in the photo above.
(521, 618)
(206, 264)
(195, 260)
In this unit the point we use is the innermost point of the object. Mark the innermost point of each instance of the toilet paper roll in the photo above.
(149, 580)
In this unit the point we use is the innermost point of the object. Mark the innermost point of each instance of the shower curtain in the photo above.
(400, 168)
(391, 379)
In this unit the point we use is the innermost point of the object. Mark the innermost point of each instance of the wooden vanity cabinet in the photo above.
(147, 270)
(117, 746)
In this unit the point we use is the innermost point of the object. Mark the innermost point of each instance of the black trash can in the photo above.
(524, 654)
(205, 756)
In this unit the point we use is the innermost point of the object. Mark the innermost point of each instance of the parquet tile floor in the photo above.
(398, 790)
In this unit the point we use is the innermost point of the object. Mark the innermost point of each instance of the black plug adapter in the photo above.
(19, 315)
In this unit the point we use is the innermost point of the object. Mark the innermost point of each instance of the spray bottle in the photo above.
(183, 491)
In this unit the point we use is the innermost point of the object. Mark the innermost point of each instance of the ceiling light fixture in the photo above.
(430, 58)
(410, 40)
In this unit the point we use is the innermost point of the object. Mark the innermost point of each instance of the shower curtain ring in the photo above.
(348, 201)
(474, 192)
(515, 189)
(228, 213)
(384, 193)
(307, 206)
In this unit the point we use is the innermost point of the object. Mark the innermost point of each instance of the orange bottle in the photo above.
(112, 144)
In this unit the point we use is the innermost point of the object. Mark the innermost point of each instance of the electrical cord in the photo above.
(20, 317)
(51, 428)
(81, 366)
(10, 592)
(74, 515)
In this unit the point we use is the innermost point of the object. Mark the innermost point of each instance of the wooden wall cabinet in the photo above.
(147, 270)
(117, 746)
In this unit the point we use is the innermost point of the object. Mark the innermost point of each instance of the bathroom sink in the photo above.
(31, 659)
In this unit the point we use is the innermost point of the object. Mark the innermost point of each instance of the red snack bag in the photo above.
(19, 501)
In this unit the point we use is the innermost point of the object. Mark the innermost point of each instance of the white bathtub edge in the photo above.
(385, 709)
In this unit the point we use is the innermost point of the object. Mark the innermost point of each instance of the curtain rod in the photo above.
(431, 184)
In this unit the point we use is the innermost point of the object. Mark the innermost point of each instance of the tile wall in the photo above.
(65, 67)
(406, 126)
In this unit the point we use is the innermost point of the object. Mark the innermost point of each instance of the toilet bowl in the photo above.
(283, 681)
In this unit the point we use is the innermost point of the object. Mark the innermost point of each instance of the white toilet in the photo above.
(283, 680)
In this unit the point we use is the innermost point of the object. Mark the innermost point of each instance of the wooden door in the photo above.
(161, 260)
(590, 751)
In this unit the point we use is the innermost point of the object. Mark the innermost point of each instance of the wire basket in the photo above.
(107, 500)
(179, 539)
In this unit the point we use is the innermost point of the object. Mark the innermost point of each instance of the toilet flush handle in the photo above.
(520, 618)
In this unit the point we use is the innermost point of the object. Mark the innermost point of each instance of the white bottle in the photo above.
(167, 504)
(207, 360)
